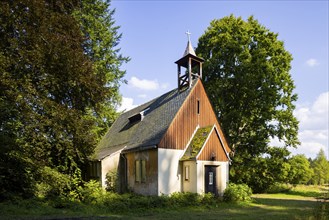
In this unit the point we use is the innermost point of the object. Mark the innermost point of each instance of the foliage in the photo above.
(130, 206)
(300, 171)
(112, 181)
(279, 188)
(92, 192)
(184, 199)
(266, 170)
(237, 193)
(320, 166)
(59, 85)
(246, 75)
(197, 142)
(53, 184)
(100, 45)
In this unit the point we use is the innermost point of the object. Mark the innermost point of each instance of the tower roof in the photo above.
(189, 49)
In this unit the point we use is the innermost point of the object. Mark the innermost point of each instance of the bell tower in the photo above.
(192, 65)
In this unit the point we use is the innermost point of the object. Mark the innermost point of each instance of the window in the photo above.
(140, 171)
(94, 169)
(187, 173)
(211, 178)
(198, 106)
(137, 171)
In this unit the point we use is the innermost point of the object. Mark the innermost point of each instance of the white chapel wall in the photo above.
(169, 171)
(222, 175)
(109, 163)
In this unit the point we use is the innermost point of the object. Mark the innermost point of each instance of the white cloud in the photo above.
(164, 85)
(126, 104)
(312, 62)
(313, 126)
(315, 116)
(310, 149)
(143, 96)
(144, 84)
(147, 85)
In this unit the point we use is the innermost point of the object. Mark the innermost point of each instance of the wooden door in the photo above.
(210, 179)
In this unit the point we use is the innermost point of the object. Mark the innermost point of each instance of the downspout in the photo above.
(124, 186)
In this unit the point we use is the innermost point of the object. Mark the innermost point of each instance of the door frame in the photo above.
(208, 169)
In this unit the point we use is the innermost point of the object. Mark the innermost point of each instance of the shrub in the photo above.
(92, 192)
(184, 199)
(279, 188)
(208, 199)
(237, 193)
(53, 184)
(112, 179)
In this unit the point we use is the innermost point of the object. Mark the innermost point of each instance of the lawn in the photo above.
(298, 204)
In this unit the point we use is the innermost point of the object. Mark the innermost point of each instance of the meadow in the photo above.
(301, 202)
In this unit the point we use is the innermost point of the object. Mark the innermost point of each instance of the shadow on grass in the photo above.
(260, 208)
(305, 193)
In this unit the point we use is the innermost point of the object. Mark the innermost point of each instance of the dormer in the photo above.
(138, 117)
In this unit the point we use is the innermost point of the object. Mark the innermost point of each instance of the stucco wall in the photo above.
(189, 185)
(109, 163)
(169, 170)
(150, 186)
(222, 176)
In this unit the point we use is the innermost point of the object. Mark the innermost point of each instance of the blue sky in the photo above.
(154, 38)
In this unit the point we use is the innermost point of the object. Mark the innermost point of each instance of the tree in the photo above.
(100, 45)
(54, 91)
(246, 75)
(300, 171)
(320, 167)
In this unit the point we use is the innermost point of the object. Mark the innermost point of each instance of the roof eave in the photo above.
(139, 148)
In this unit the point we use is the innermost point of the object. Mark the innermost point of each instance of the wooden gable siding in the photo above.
(213, 147)
(187, 119)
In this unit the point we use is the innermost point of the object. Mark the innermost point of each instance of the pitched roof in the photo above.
(147, 133)
(197, 142)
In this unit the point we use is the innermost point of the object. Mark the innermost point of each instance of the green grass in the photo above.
(297, 205)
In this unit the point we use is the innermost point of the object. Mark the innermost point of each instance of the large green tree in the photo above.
(57, 82)
(246, 75)
(100, 45)
(300, 171)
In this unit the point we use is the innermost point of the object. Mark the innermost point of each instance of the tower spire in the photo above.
(189, 49)
(191, 63)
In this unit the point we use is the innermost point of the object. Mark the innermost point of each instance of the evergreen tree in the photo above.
(320, 167)
(53, 94)
(246, 75)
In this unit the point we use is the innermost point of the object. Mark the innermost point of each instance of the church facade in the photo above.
(172, 143)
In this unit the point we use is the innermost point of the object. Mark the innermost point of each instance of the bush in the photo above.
(184, 199)
(237, 193)
(92, 192)
(209, 199)
(279, 188)
(112, 184)
(53, 184)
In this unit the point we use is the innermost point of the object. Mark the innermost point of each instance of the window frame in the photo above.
(187, 173)
(198, 106)
(140, 171)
